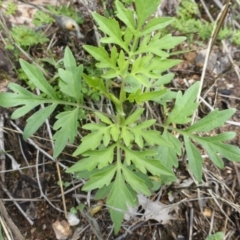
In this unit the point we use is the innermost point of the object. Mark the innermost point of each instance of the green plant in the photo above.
(123, 155)
(216, 236)
(26, 36)
(11, 8)
(188, 23)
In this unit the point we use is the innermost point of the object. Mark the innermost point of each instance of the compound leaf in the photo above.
(100, 179)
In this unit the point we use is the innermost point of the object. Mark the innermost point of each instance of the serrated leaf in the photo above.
(158, 44)
(134, 116)
(111, 28)
(125, 15)
(167, 78)
(128, 36)
(156, 24)
(213, 120)
(226, 136)
(194, 159)
(101, 55)
(144, 164)
(37, 78)
(146, 124)
(126, 136)
(86, 164)
(37, 119)
(153, 137)
(93, 126)
(147, 96)
(69, 60)
(226, 150)
(103, 192)
(103, 118)
(168, 155)
(94, 82)
(144, 10)
(185, 106)
(135, 182)
(214, 157)
(100, 179)
(70, 83)
(23, 110)
(91, 141)
(20, 97)
(66, 127)
(117, 206)
(115, 132)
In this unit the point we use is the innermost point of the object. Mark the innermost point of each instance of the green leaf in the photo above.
(168, 155)
(115, 132)
(157, 44)
(70, 83)
(144, 10)
(185, 106)
(135, 182)
(134, 117)
(126, 16)
(111, 28)
(91, 141)
(151, 137)
(69, 60)
(156, 24)
(147, 96)
(103, 192)
(37, 78)
(66, 127)
(100, 179)
(216, 236)
(118, 198)
(103, 118)
(194, 159)
(144, 164)
(20, 97)
(37, 119)
(95, 83)
(126, 136)
(23, 110)
(226, 150)
(167, 78)
(213, 156)
(101, 55)
(213, 120)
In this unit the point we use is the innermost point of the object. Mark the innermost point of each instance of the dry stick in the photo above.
(215, 32)
(2, 158)
(36, 146)
(10, 223)
(191, 223)
(2, 223)
(212, 221)
(17, 205)
(40, 186)
(2, 155)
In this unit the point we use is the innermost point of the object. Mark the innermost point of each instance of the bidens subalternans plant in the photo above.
(122, 154)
